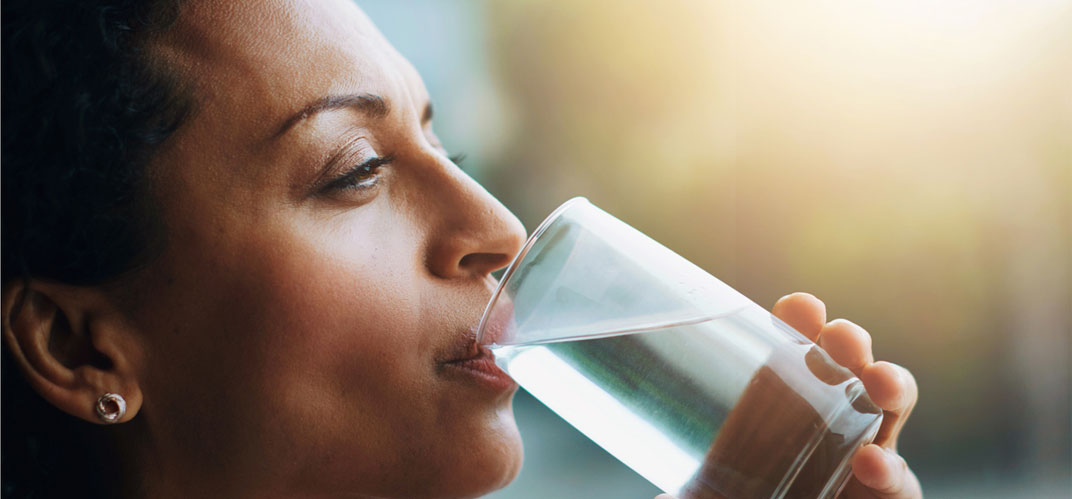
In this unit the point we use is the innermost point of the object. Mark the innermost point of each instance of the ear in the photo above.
(72, 346)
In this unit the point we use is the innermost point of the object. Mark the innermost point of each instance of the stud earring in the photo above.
(111, 407)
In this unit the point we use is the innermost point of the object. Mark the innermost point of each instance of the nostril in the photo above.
(483, 262)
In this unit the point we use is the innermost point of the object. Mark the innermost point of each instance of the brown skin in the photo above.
(339, 300)
(290, 340)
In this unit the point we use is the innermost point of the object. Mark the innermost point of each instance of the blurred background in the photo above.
(909, 162)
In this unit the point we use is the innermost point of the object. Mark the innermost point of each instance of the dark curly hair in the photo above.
(84, 108)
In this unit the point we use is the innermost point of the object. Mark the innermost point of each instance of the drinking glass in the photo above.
(682, 378)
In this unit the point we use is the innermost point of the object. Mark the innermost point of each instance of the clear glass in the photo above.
(679, 376)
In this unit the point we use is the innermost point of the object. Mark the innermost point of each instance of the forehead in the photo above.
(259, 61)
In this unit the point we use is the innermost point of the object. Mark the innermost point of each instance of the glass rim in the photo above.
(529, 243)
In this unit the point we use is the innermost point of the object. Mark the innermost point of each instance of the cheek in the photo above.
(341, 318)
(346, 331)
(349, 344)
(364, 330)
(298, 340)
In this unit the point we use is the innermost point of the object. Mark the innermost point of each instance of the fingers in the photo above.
(881, 473)
(880, 469)
(892, 388)
(886, 385)
(878, 472)
(847, 343)
(802, 311)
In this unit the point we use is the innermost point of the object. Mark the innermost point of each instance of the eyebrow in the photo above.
(371, 104)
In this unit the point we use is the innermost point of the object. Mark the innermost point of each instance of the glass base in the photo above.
(854, 426)
(781, 443)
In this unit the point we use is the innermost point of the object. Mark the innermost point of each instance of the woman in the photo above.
(231, 236)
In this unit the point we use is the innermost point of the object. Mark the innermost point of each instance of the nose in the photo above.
(473, 233)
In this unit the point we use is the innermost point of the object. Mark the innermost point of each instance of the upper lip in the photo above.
(464, 347)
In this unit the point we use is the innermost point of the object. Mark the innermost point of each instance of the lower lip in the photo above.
(483, 371)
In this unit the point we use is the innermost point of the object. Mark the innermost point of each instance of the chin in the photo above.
(510, 464)
(491, 461)
(500, 466)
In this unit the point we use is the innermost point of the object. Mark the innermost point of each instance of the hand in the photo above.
(878, 471)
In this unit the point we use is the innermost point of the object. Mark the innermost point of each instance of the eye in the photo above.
(361, 176)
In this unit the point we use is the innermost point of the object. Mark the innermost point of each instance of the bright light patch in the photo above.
(603, 419)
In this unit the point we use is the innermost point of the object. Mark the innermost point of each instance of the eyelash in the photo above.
(361, 176)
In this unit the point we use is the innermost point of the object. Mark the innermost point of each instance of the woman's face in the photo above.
(325, 262)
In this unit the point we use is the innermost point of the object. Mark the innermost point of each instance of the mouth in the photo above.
(475, 363)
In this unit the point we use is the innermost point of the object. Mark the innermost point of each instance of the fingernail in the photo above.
(902, 390)
(896, 402)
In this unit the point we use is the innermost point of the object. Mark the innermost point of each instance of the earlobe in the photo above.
(67, 352)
